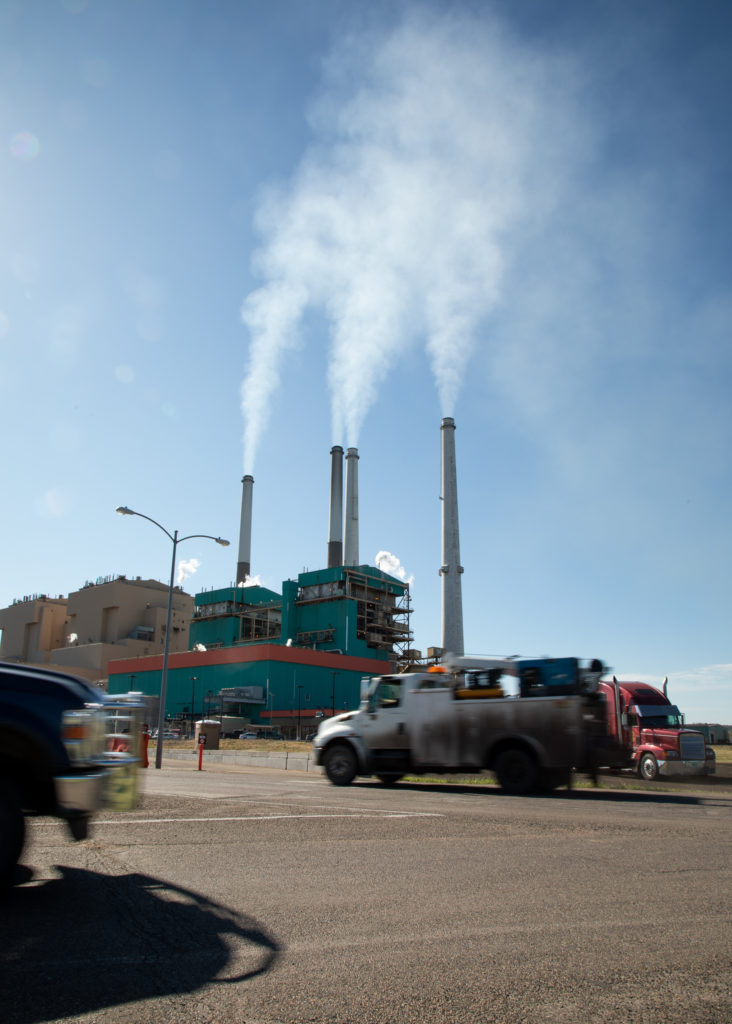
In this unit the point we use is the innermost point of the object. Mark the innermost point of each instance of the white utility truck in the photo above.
(530, 721)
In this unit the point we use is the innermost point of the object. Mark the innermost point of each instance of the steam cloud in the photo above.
(187, 568)
(390, 564)
(433, 146)
(251, 581)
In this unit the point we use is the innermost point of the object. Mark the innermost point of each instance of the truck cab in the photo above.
(651, 731)
(66, 750)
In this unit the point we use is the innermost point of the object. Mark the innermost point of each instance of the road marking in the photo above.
(263, 817)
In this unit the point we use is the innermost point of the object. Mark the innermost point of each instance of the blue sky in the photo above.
(234, 234)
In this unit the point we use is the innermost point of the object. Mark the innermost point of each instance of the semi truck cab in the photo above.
(652, 731)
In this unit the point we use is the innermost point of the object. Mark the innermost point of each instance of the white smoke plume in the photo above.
(251, 581)
(186, 568)
(390, 564)
(433, 145)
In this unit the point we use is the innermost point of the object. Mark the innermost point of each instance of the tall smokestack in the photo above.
(335, 535)
(243, 565)
(451, 569)
(350, 556)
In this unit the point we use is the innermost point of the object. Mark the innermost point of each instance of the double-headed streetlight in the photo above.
(124, 511)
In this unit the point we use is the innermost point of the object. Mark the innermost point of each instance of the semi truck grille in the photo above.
(692, 747)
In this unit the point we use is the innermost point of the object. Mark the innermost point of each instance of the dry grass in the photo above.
(260, 746)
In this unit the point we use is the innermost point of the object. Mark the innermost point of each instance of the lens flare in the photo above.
(24, 146)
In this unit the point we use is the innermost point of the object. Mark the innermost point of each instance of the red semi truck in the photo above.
(651, 730)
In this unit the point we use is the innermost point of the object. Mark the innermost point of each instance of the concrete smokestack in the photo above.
(451, 569)
(335, 535)
(350, 556)
(243, 565)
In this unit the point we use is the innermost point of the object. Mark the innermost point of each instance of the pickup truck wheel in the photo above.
(340, 764)
(516, 772)
(12, 832)
(648, 767)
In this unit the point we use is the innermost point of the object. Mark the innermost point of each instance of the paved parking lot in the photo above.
(261, 896)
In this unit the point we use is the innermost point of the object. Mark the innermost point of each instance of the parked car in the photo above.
(247, 735)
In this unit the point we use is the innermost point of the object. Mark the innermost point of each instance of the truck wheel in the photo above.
(648, 767)
(516, 772)
(340, 764)
(12, 832)
(389, 780)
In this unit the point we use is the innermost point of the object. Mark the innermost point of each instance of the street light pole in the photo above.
(194, 680)
(299, 696)
(124, 511)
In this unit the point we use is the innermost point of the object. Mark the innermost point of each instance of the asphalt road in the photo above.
(268, 897)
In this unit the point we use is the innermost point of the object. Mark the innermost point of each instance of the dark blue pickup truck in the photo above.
(66, 750)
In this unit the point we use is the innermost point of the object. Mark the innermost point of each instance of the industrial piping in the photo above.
(350, 556)
(451, 569)
(335, 535)
(243, 565)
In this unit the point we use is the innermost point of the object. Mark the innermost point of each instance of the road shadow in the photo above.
(491, 791)
(87, 941)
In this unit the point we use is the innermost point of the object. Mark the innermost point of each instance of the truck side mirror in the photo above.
(624, 720)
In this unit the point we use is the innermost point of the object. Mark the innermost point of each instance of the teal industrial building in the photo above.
(280, 660)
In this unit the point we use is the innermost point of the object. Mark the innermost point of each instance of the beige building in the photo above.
(31, 628)
(115, 618)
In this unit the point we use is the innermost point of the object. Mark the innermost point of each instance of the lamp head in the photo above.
(124, 511)
(222, 542)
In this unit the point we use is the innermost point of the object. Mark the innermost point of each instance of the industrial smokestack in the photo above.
(335, 535)
(243, 565)
(450, 570)
(350, 556)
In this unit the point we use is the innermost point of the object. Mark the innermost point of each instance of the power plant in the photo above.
(282, 661)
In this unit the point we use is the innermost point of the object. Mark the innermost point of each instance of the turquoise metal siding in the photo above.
(281, 679)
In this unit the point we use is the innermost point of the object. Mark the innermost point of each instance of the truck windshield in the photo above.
(659, 717)
(661, 721)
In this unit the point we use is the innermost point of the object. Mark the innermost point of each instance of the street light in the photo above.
(124, 511)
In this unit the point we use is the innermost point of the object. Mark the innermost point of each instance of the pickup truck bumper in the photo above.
(670, 768)
(112, 784)
(79, 794)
